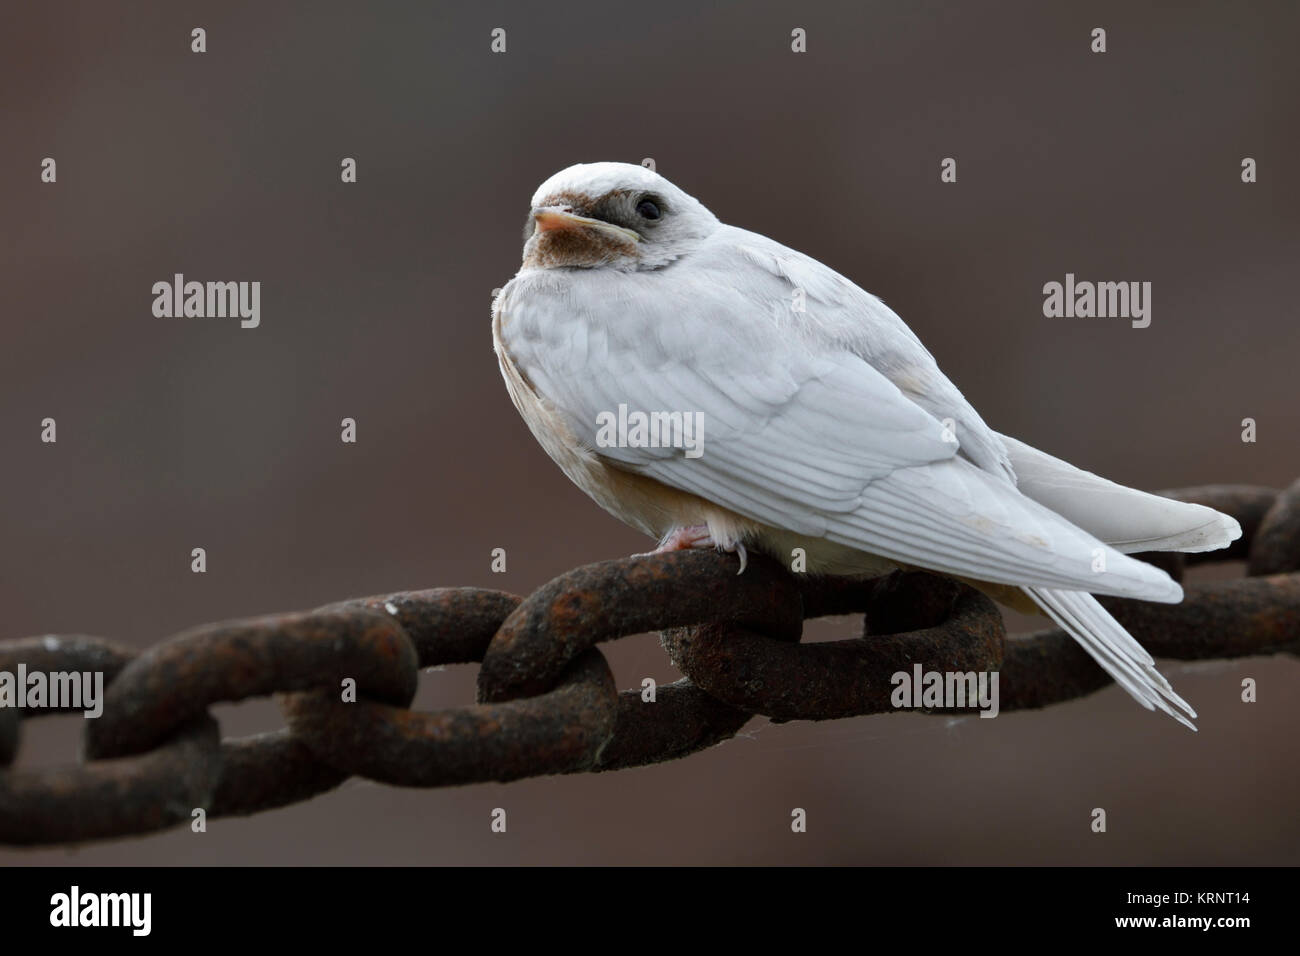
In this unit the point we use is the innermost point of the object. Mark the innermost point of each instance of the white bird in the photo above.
(823, 422)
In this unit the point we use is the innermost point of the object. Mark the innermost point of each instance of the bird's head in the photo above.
(612, 215)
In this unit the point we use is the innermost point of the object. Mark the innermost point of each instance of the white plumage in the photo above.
(830, 428)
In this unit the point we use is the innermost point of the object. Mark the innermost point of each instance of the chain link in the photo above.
(547, 700)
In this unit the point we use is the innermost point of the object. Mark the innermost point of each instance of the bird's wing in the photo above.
(1125, 518)
(838, 312)
(798, 432)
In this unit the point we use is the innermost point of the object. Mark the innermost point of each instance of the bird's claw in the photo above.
(696, 537)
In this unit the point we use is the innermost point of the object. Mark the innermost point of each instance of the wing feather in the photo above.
(800, 430)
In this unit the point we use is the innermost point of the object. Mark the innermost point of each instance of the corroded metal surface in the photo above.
(345, 675)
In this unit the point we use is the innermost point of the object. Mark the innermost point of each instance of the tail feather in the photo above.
(1105, 639)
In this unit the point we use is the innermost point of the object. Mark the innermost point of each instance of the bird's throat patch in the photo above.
(579, 246)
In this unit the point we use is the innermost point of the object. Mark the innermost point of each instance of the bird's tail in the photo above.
(1122, 657)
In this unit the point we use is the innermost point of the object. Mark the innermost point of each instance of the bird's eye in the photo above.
(647, 209)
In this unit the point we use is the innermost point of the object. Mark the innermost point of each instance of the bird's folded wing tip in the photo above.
(1218, 532)
(1215, 532)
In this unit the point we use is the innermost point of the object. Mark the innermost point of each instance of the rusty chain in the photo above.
(548, 703)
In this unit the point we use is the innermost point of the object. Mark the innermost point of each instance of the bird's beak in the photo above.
(551, 218)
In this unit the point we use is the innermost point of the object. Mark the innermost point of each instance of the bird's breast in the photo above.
(638, 500)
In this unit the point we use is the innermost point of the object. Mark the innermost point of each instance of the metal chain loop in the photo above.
(790, 681)
(547, 699)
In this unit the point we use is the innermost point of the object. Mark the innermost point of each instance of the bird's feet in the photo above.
(696, 536)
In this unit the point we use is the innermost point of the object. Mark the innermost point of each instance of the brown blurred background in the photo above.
(183, 433)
